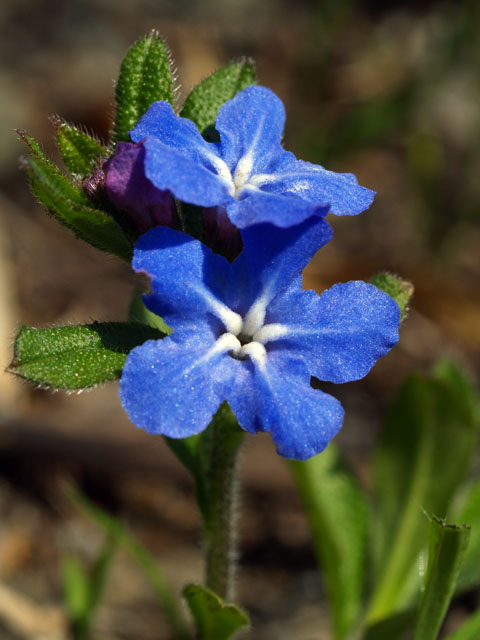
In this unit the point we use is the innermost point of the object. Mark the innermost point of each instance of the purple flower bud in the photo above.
(130, 190)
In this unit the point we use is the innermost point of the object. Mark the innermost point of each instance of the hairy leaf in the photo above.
(79, 356)
(204, 100)
(145, 77)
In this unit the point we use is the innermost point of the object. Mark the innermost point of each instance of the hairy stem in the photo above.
(220, 535)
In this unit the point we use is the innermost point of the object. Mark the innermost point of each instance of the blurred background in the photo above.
(386, 90)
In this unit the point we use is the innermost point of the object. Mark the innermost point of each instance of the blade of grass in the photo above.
(141, 556)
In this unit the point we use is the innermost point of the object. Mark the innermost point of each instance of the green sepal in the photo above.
(447, 547)
(400, 290)
(214, 618)
(204, 100)
(80, 152)
(71, 206)
(78, 356)
(337, 512)
(145, 77)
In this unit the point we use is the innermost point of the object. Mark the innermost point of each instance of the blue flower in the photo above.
(246, 333)
(248, 172)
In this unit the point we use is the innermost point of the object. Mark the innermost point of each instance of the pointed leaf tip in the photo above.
(80, 152)
(70, 205)
(145, 77)
(204, 101)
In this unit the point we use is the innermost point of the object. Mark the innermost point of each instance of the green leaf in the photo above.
(424, 453)
(145, 77)
(138, 312)
(204, 100)
(142, 558)
(214, 618)
(336, 509)
(49, 175)
(76, 357)
(446, 550)
(100, 572)
(453, 375)
(400, 290)
(393, 627)
(80, 152)
(83, 589)
(72, 207)
(470, 571)
(75, 587)
(469, 630)
(91, 225)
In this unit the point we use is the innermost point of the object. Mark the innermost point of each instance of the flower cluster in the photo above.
(243, 331)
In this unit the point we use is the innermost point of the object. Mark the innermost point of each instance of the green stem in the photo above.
(219, 526)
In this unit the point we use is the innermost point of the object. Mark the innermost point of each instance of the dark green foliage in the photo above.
(204, 100)
(337, 512)
(422, 458)
(76, 357)
(445, 554)
(145, 77)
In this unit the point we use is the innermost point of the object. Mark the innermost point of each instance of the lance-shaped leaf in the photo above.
(424, 453)
(80, 152)
(145, 77)
(204, 100)
(214, 618)
(49, 175)
(446, 550)
(76, 357)
(336, 508)
(71, 206)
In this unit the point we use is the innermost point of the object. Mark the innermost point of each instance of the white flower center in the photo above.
(247, 337)
(241, 178)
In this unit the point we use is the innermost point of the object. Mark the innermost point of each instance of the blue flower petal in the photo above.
(250, 127)
(180, 160)
(175, 385)
(301, 420)
(162, 123)
(339, 335)
(188, 279)
(282, 210)
(272, 258)
(314, 184)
